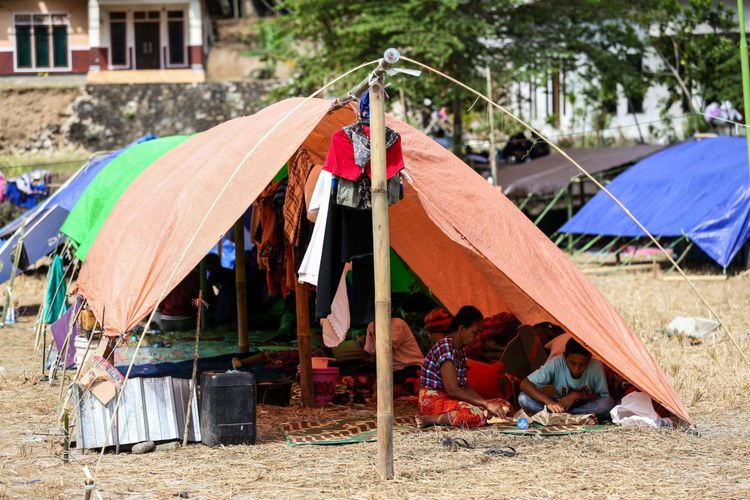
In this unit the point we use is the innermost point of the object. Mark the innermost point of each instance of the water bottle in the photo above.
(522, 424)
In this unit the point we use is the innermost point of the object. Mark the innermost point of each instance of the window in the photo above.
(118, 38)
(41, 41)
(176, 32)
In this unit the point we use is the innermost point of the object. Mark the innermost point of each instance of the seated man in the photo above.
(580, 385)
(407, 356)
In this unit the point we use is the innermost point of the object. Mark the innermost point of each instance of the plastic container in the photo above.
(522, 424)
(324, 385)
(275, 392)
(228, 408)
(319, 362)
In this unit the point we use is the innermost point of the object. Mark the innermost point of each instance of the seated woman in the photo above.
(445, 397)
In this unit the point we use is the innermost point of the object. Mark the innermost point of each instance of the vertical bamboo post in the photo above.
(303, 344)
(491, 116)
(745, 71)
(570, 213)
(381, 256)
(13, 272)
(241, 285)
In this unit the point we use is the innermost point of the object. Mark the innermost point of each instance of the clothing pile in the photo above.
(27, 190)
(438, 321)
(341, 240)
(498, 331)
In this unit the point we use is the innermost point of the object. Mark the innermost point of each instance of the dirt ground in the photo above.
(711, 379)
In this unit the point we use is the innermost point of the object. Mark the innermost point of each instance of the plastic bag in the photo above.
(636, 410)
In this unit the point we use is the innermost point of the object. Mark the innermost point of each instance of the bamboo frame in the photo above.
(381, 257)
(549, 206)
(240, 279)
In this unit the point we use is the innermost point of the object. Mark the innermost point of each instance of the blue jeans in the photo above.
(599, 406)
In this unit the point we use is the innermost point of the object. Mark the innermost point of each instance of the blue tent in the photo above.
(700, 189)
(42, 231)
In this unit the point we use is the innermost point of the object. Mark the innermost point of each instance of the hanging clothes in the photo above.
(349, 152)
(300, 165)
(268, 236)
(67, 326)
(55, 302)
(348, 238)
(319, 203)
(336, 325)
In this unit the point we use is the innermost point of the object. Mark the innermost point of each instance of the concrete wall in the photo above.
(106, 117)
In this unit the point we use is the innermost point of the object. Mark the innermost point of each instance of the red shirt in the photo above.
(340, 159)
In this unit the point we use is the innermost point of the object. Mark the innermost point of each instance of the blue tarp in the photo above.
(42, 232)
(700, 188)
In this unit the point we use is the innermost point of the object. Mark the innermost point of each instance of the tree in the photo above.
(450, 35)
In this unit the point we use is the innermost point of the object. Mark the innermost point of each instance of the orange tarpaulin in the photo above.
(461, 236)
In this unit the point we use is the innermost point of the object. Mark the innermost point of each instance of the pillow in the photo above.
(485, 378)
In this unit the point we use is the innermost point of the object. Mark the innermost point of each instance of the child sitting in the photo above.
(580, 385)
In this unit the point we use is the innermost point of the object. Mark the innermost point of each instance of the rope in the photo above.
(198, 229)
(598, 184)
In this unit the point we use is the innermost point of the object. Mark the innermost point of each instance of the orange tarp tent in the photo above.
(465, 240)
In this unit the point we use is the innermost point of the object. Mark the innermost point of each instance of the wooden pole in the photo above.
(13, 272)
(241, 285)
(745, 65)
(194, 375)
(491, 116)
(381, 256)
(303, 344)
(570, 213)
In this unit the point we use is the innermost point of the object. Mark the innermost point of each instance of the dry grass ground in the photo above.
(710, 378)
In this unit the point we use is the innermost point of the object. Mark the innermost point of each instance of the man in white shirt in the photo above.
(407, 357)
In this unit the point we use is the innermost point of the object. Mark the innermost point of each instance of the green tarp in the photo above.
(87, 217)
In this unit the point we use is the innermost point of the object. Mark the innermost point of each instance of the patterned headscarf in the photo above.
(364, 106)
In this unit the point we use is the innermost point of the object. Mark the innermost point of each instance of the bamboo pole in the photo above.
(491, 117)
(588, 245)
(550, 205)
(303, 344)
(745, 71)
(241, 285)
(381, 256)
(525, 201)
(194, 375)
(569, 207)
(13, 272)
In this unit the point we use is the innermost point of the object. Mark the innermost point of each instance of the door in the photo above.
(147, 45)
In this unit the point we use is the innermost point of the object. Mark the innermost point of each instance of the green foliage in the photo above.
(604, 41)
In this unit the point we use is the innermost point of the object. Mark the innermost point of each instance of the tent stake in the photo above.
(241, 285)
(303, 344)
(382, 264)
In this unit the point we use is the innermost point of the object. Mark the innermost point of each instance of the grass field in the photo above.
(711, 379)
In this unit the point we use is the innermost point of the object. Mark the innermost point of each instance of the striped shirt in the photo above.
(444, 350)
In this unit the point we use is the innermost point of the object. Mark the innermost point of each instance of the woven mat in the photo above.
(550, 430)
(341, 431)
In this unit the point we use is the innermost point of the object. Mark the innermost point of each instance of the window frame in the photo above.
(128, 21)
(49, 24)
(185, 35)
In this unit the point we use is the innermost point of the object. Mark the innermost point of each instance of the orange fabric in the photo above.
(482, 250)
(460, 414)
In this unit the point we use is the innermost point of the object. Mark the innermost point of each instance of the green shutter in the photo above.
(60, 45)
(41, 44)
(23, 46)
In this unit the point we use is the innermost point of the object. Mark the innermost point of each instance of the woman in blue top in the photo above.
(580, 385)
